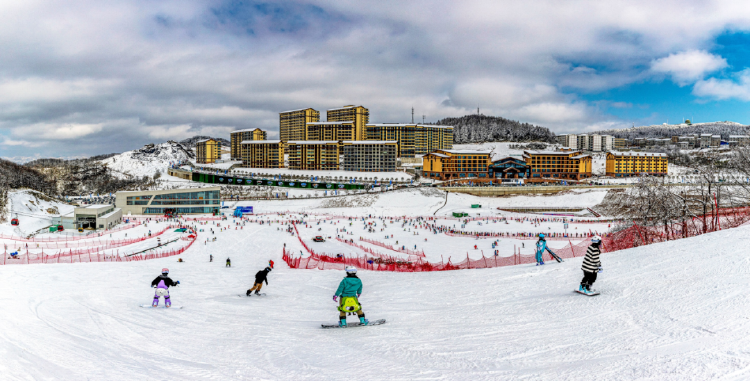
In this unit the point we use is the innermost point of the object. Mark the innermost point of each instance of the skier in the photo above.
(229, 263)
(349, 290)
(260, 277)
(591, 265)
(210, 257)
(541, 246)
(162, 284)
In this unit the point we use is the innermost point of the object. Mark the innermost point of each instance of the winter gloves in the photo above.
(335, 297)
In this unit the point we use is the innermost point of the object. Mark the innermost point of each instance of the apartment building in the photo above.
(619, 143)
(448, 164)
(625, 164)
(237, 137)
(313, 155)
(262, 154)
(357, 115)
(330, 131)
(369, 155)
(740, 140)
(715, 141)
(413, 139)
(293, 124)
(570, 141)
(554, 165)
(207, 151)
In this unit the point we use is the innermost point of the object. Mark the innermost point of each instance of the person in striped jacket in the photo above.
(591, 265)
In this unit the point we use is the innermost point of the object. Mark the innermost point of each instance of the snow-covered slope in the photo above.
(670, 311)
(147, 160)
(34, 211)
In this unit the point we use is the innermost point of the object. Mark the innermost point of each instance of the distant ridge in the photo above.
(191, 142)
(666, 131)
(483, 128)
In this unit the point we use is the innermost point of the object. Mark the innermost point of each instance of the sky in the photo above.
(84, 78)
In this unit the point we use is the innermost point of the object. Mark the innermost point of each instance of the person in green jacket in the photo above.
(349, 290)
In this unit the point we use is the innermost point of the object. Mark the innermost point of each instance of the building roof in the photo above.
(509, 157)
(96, 206)
(617, 153)
(580, 156)
(167, 191)
(549, 152)
(204, 140)
(245, 130)
(437, 154)
(302, 142)
(370, 141)
(301, 109)
(738, 136)
(343, 108)
(260, 142)
(327, 123)
(466, 151)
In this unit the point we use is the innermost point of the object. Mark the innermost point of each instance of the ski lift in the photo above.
(14, 221)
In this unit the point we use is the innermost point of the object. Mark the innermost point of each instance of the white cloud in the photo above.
(689, 66)
(725, 88)
(53, 131)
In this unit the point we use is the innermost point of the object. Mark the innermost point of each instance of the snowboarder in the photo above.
(162, 284)
(541, 246)
(229, 263)
(260, 277)
(349, 290)
(591, 265)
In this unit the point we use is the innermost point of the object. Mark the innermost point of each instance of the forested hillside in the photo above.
(483, 128)
(190, 142)
(667, 131)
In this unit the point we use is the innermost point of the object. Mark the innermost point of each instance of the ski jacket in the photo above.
(262, 276)
(541, 245)
(591, 262)
(349, 286)
(163, 280)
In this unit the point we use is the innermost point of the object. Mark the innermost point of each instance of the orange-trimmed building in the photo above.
(548, 166)
(450, 164)
(626, 164)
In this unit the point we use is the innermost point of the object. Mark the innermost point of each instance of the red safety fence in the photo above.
(67, 238)
(96, 257)
(105, 243)
(322, 261)
(371, 251)
(403, 249)
(523, 236)
(638, 235)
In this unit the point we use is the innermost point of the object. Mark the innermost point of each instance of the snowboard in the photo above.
(352, 325)
(251, 294)
(592, 293)
(150, 306)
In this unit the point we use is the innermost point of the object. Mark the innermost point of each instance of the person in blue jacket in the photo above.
(541, 246)
(349, 291)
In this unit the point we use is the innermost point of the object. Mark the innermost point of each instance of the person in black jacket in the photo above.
(229, 263)
(162, 283)
(591, 265)
(260, 277)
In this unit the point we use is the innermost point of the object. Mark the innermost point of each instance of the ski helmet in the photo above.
(165, 271)
(268, 269)
(541, 235)
(596, 239)
(351, 270)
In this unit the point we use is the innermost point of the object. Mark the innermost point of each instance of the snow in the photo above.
(34, 211)
(148, 160)
(669, 311)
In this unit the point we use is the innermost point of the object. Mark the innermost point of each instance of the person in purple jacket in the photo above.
(162, 284)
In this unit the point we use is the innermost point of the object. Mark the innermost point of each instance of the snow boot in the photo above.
(167, 301)
(363, 321)
(247, 293)
(156, 301)
(580, 288)
(257, 292)
(342, 322)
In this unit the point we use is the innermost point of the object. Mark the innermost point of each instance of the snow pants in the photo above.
(348, 304)
(167, 301)
(539, 256)
(588, 279)
(256, 287)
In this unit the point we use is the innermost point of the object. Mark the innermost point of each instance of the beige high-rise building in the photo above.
(358, 115)
(263, 154)
(207, 151)
(330, 131)
(313, 155)
(239, 136)
(293, 124)
(413, 139)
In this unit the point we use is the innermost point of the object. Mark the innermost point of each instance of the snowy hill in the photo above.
(33, 209)
(191, 142)
(147, 160)
(668, 130)
(669, 311)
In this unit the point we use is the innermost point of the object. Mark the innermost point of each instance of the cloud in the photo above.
(689, 66)
(95, 77)
(725, 88)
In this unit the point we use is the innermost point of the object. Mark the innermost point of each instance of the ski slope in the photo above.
(672, 311)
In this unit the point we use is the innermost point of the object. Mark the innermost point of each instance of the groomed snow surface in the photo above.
(669, 311)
